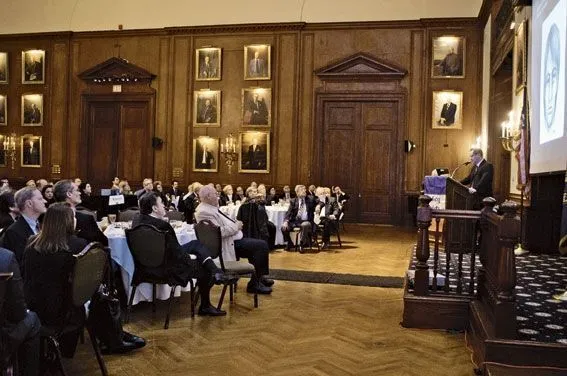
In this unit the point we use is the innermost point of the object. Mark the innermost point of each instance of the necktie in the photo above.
(204, 157)
(37, 227)
(301, 210)
(257, 66)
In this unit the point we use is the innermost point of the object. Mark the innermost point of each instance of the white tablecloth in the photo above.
(122, 256)
(276, 214)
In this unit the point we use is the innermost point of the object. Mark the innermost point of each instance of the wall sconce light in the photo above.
(9, 145)
(409, 146)
(509, 133)
(228, 151)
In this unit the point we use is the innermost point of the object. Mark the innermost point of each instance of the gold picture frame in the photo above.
(520, 57)
(3, 110)
(257, 62)
(30, 150)
(4, 68)
(447, 110)
(206, 108)
(257, 107)
(254, 152)
(32, 110)
(206, 154)
(33, 67)
(448, 54)
(208, 64)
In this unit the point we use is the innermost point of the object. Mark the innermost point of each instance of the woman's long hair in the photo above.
(58, 224)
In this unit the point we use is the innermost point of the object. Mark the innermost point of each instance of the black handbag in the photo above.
(104, 317)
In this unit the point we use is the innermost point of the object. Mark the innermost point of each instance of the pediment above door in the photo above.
(361, 67)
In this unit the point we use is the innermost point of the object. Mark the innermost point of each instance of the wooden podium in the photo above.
(460, 233)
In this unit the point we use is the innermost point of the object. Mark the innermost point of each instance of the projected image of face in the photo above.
(551, 75)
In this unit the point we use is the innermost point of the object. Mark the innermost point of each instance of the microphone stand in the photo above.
(519, 250)
(458, 167)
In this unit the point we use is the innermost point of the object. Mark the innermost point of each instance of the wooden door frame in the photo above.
(397, 95)
(88, 98)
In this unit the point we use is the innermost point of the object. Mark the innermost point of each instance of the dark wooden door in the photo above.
(361, 153)
(119, 141)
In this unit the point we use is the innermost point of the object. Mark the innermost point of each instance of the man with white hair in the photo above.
(147, 187)
(233, 242)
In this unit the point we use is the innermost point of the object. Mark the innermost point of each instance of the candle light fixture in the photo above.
(9, 145)
(229, 151)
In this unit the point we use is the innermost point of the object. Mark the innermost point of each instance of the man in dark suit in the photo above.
(208, 69)
(31, 154)
(204, 159)
(207, 113)
(287, 195)
(300, 213)
(448, 112)
(31, 204)
(257, 66)
(20, 327)
(87, 228)
(327, 212)
(152, 212)
(480, 178)
(32, 114)
(258, 111)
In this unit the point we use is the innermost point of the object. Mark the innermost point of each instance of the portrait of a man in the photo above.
(447, 109)
(255, 152)
(206, 111)
(205, 154)
(31, 151)
(208, 64)
(552, 92)
(520, 57)
(257, 62)
(32, 109)
(448, 57)
(3, 67)
(3, 110)
(33, 67)
(256, 106)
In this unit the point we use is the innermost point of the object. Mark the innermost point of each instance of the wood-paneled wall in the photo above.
(298, 49)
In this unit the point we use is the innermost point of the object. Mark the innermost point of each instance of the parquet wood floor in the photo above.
(302, 329)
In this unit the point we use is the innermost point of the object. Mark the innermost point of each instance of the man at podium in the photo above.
(480, 178)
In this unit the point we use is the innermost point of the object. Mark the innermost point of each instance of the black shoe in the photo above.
(221, 278)
(258, 288)
(268, 282)
(290, 247)
(123, 348)
(326, 245)
(138, 341)
(210, 311)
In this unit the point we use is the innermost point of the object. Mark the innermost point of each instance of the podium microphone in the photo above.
(458, 167)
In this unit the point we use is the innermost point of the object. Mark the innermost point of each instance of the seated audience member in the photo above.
(67, 191)
(311, 190)
(175, 191)
(340, 196)
(48, 265)
(218, 188)
(147, 187)
(240, 194)
(152, 212)
(115, 188)
(77, 181)
(31, 183)
(158, 190)
(20, 327)
(4, 184)
(327, 210)
(125, 188)
(300, 213)
(287, 195)
(31, 205)
(255, 222)
(40, 183)
(261, 191)
(191, 201)
(233, 243)
(272, 197)
(227, 196)
(254, 185)
(8, 209)
(86, 193)
(47, 193)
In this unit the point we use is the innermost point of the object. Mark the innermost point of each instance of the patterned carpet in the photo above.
(539, 317)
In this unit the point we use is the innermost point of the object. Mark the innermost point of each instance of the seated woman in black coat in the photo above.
(255, 219)
(48, 265)
(8, 209)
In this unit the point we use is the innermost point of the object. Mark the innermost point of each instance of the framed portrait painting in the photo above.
(448, 57)
(257, 64)
(206, 108)
(520, 57)
(30, 150)
(3, 67)
(3, 110)
(208, 64)
(447, 109)
(33, 67)
(32, 110)
(256, 107)
(254, 152)
(205, 154)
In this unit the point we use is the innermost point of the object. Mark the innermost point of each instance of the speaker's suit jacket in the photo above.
(480, 179)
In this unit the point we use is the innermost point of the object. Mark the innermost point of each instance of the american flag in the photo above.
(523, 149)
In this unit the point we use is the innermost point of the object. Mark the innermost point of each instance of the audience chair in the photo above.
(84, 210)
(174, 215)
(210, 236)
(335, 230)
(127, 215)
(312, 239)
(149, 251)
(88, 274)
